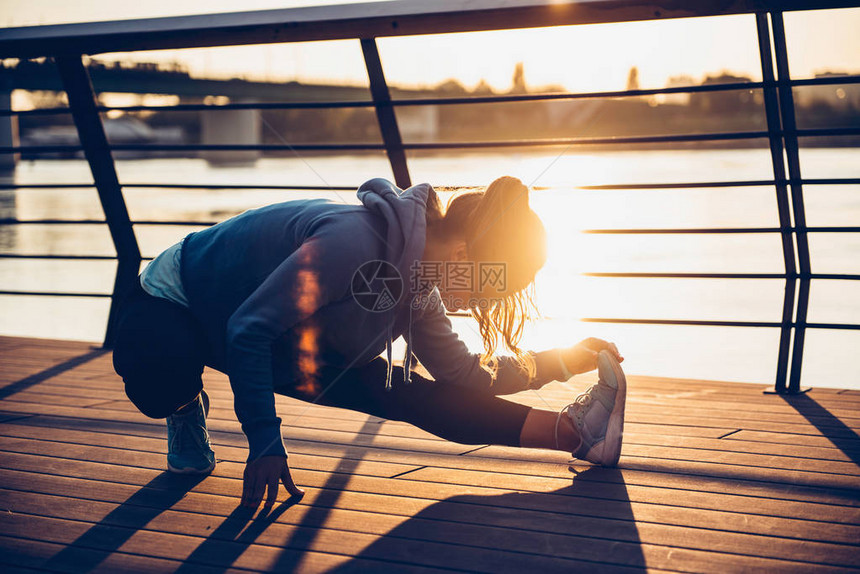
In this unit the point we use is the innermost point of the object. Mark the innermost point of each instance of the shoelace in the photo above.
(579, 406)
(183, 429)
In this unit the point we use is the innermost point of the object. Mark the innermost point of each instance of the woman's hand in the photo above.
(582, 357)
(267, 471)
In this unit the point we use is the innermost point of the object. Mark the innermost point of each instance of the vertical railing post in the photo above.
(771, 105)
(385, 113)
(82, 102)
(789, 134)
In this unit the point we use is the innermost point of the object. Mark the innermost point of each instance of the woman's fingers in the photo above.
(291, 487)
(598, 345)
(247, 488)
(258, 491)
(274, 485)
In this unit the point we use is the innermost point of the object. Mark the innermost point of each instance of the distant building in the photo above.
(840, 97)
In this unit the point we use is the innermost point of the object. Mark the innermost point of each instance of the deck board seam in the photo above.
(456, 469)
(460, 544)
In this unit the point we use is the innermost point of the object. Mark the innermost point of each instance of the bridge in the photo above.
(239, 124)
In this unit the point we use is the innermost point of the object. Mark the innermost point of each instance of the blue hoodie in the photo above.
(239, 279)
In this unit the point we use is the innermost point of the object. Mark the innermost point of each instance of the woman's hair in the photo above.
(499, 228)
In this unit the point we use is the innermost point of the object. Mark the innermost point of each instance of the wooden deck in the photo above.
(713, 477)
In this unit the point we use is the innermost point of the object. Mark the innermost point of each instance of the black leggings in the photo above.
(161, 350)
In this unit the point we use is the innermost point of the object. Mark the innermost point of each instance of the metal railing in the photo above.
(67, 44)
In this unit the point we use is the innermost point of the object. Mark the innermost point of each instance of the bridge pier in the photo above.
(8, 133)
(230, 127)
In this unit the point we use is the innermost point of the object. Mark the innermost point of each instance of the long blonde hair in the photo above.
(499, 227)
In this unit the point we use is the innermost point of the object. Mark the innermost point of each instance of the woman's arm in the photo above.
(447, 358)
(318, 272)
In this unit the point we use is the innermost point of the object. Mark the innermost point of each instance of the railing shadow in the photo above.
(829, 425)
(527, 531)
(133, 515)
(241, 529)
(50, 372)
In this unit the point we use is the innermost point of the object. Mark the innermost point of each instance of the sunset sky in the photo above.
(579, 58)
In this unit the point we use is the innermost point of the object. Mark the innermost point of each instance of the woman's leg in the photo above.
(159, 353)
(452, 412)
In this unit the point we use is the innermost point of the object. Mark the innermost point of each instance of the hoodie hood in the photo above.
(405, 214)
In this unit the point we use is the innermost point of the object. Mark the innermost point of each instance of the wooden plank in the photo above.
(126, 461)
(632, 437)
(781, 491)
(791, 439)
(157, 496)
(717, 478)
(23, 553)
(269, 552)
(518, 532)
(647, 418)
(153, 452)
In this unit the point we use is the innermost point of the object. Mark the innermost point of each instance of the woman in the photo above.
(301, 297)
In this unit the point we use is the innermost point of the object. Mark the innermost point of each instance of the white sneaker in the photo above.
(598, 414)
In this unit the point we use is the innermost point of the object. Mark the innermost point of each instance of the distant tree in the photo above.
(483, 88)
(518, 83)
(724, 102)
(451, 86)
(633, 79)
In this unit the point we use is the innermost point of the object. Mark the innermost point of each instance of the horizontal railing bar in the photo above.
(830, 181)
(695, 323)
(828, 132)
(46, 185)
(681, 322)
(608, 275)
(839, 276)
(781, 276)
(681, 185)
(13, 221)
(406, 146)
(238, 186)
(352, 21)
(669, 231)
(178, 186)
(841, 326)
(829, 80)
(691, 230)
(440, 145)
(706, 230)
(713, 184)
(618, 186)
(832, 229)
(501, 98)
(536, 97)
(64, 257)
(55, 294)
(590, 141)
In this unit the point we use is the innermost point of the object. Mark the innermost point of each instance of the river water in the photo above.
(565, 295)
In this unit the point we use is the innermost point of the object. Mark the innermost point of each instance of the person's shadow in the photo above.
(585, 526)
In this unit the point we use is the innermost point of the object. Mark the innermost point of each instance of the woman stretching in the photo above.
(301, 297)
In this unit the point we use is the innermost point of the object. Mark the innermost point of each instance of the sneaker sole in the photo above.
(615, 427)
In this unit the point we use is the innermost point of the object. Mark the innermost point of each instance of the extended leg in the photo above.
(452, 412)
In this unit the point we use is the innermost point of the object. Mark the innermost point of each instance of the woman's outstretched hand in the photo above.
(267, 472)
(582, 357)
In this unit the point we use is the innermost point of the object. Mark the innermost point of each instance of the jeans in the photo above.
(161, 350)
